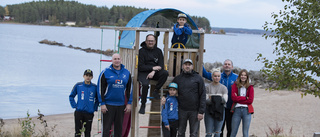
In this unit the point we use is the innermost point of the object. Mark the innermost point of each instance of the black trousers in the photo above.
(161, 76)
(79, 119)
(173, 129)
(194, 123)
(114, 116)
(227, 122)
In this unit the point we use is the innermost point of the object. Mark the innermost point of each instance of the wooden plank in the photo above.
(165, 49)
(201, 50)
(178, 63)
(146, 29)
(182, 50)
(171, 57)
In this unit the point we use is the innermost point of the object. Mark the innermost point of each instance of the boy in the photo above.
(181, 31)
(170, 112)
(86, 104)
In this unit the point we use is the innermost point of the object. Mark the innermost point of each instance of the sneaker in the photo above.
(142, 109)
(155, 94)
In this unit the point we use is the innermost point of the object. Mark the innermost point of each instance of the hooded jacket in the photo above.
(191, 92)
(170, 110)
(115, 86)
(88, 98)
(149, 58)
(180, 35)
(241, 99)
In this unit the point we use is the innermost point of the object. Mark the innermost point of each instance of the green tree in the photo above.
(297, 47)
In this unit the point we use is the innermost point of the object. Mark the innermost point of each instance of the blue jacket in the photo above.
(115, 86)
(180, 35)
(170, 110)
(226, 80)
(88, 97)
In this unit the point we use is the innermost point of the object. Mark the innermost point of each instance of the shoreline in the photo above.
(283, 108)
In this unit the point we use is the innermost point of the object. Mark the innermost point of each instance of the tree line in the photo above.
(54, 12)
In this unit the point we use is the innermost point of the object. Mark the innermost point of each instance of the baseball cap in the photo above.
(187, 60)
(181, 15)
(173, 85)
(88, 71)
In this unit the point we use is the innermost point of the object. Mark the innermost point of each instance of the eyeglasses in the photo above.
(150, 41)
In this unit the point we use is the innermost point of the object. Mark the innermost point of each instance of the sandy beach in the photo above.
(285, 108)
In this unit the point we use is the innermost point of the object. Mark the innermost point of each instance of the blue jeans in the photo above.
(240, 113)
(213, 126)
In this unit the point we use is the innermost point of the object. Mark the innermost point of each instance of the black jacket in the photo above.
(149, 58)
(191, 92)
(216, 108)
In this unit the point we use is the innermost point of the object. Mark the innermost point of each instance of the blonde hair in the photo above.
(215, 70)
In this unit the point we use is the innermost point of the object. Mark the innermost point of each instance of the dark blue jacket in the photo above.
(226, 80)
(88, 98)
(170, 110)
(115, 86)
(180, 35)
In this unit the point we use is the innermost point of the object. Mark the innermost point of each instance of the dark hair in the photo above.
(238, 81)
(151, 35)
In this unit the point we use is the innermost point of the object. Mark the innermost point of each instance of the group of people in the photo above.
(226, 101)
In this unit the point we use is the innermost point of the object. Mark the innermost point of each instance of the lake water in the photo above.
(38, 76)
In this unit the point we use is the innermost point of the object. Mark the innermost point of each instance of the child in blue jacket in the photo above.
(169, 112)
(87, 103)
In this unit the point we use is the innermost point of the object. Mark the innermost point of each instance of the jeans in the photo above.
(194, 123)
(213, 126)
(240, 113)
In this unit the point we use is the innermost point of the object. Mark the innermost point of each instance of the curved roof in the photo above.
(128, 37)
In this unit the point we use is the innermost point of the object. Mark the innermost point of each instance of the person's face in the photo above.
(187, 67)
(172, 91)
(87, 78)
(227, 66)
(116, 60)
(181, 21)
(150, 42)
(243, 77)
(216, 77)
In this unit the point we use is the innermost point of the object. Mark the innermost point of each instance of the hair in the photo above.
(228, 60)
(238, 81)
(215, 70)
(151, 35)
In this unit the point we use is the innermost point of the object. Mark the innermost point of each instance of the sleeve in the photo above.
(187, 29)
(234, 95)
(164, 114)
(250, 95)
(72, 95)
(141, 63)
(225, 93)
(97, 100)
(207, 92)
(206, 74)
(177, 30)
(129, 90)
(202, 96)
(102, 86)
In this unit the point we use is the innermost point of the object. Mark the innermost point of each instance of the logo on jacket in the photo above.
(118, 84)
(156, 60)
(118, 81)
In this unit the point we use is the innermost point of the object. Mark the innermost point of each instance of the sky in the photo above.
(249, 14)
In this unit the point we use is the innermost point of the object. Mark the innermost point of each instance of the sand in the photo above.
(283, 108)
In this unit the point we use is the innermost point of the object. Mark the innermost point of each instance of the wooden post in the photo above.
(201, 50)
(165, 49)
(135, 97)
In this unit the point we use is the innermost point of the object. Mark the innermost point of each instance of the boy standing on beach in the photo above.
(86, 104)
(169, 112)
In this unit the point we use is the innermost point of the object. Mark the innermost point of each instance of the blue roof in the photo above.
(128, 37)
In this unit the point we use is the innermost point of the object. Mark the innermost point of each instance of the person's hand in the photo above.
(104, 108)
(163, 100)
(200, 117)
(150, 75)
(156, 68)
(168, 127)
(128, 108)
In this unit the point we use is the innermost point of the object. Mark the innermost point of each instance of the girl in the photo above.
(242, 96)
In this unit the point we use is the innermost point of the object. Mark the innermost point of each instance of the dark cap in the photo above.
(88, 71)
(188, 60)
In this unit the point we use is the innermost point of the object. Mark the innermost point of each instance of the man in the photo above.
(227, 79)
(150, 67)
(191, 99)
(87, 103)
(114, 84)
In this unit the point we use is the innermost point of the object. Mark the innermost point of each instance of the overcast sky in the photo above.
(250, 14)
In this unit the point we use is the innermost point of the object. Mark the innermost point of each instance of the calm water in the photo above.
(38, 76)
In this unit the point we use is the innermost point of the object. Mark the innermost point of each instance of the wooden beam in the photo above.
(146, 29)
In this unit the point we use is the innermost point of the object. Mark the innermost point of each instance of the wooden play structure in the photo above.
(130, 60)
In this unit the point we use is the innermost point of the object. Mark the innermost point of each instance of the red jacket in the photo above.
(242, 100)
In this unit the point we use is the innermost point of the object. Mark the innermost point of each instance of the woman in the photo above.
(242, 96)
(217, 96)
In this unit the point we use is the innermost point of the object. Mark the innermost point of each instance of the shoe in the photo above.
(155, 94)
(142, 109)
